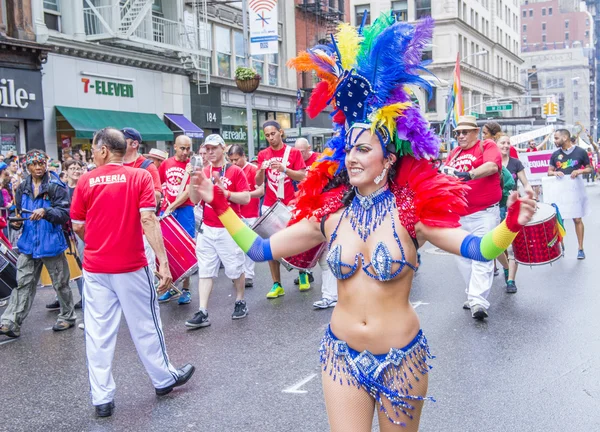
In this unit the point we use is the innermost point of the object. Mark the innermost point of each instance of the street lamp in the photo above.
(478, 53)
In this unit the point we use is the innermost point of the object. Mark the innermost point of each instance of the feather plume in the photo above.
(371, 32)
(321, 95)
(422, 36)
(348, 42)
(386, 116)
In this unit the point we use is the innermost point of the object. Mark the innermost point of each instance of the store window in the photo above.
(360, 11)
(52, 14)
(423, 8)
(223, 48)
(240, 49)
(9, 136)
(273, 60)
(400, 10)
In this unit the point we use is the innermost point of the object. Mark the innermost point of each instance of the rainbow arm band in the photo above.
(257, 248)
(489, 246)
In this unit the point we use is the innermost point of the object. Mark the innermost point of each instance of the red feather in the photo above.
(318, 100)
(339, 117)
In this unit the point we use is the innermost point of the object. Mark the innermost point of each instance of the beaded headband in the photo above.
(36, 157)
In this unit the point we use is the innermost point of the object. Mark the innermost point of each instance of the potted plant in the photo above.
(247, 79)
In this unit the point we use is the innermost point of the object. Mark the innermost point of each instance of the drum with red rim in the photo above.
(539, 242)
(304, 260)
(180, 247)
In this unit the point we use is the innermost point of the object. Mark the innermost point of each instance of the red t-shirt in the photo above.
(252, 209)
(294, 162)
(513, 153)
(313, 158)
(529, 149)
(171, 175)
(484, 191)
(109, 200)
(234, 180)
(150, 168)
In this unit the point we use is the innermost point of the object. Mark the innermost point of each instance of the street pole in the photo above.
(249, 118)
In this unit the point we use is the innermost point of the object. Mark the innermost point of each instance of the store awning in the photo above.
(86, 122)
(185, 125)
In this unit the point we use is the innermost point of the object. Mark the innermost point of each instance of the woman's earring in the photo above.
(380, 176)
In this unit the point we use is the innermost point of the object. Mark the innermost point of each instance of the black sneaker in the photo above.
(511, 287)
(478, 312)
(249, 283)
(105, 410)
(240, 310)
(10, 330)
(55, 305)
(78, 304)
(311, 279)
(199, 320)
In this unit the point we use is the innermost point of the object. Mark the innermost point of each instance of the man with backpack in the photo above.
(42, 201)
(479, 163)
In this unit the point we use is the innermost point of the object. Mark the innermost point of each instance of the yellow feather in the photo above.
(387, 115)
(348, 41)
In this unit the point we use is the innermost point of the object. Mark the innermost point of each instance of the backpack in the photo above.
(146, 164)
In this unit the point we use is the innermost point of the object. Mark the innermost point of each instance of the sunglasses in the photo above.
(463, 132)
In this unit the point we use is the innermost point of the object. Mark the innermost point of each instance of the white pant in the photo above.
(248, 263)
(213, 246)
(478, 276)
(105, 296)
(329, 282)
(150, 256)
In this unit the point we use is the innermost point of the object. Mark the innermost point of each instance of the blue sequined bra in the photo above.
(363, 222)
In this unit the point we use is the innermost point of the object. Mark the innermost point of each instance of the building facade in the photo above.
(484, 35)
(21, 61)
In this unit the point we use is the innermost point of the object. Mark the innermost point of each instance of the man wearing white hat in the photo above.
(214, 245)
(479, 163)
(157, 156)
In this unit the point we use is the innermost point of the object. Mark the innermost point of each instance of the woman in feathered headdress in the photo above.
(375, 197)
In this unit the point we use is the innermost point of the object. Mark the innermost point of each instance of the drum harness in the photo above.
(221, 174)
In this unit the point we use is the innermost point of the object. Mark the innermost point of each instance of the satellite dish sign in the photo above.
(263, 27)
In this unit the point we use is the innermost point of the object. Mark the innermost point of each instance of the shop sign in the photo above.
(235, 134)
(21, 94)
(107, 88)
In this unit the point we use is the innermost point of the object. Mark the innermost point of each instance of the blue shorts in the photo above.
(185, 217)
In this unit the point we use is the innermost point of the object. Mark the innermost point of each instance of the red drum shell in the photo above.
(180, 247)
(539, 241)
(304, 260)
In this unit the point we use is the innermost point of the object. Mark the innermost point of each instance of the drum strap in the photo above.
(280, 185)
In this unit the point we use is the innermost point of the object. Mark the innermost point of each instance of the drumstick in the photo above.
(173, 287)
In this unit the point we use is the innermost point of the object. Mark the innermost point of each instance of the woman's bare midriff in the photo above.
(372, 315)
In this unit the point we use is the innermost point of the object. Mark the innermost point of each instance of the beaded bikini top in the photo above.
(365, 214)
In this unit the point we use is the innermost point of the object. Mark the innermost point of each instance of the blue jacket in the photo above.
(43, 238)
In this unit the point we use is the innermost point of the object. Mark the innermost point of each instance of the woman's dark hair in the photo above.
(70, 162)
(271, 123)
(236, 149)
(113, 139)
(494, 129)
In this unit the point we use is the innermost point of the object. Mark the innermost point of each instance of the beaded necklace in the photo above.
(366, 213)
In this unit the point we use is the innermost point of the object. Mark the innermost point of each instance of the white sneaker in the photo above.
(324, 303)
(81, 326)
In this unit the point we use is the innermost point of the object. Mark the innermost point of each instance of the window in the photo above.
(587, 22)
(240, 49)
(360, 11)
(530, 12)
(273, 69)
(561, 82)
(575, 95)
(524, 28)
(587, 33)
(431, 104)
(543, 38)
(575, 111)
(223, 48)
(258, 63)
(52, 14)
(427, 54)
(524, 14)
(549, 11)
(423, 8)
(566, 24)
(400, 10)
(543, 11)
(566, 36)
(543, 26)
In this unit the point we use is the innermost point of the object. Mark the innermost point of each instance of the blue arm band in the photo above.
(471, 248)
(260, 250)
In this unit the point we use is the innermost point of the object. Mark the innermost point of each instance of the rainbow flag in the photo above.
(454, 104)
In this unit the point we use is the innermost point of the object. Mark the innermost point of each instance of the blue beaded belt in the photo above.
(382, 375)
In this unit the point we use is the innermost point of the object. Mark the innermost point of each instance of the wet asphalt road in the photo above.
(534, 365)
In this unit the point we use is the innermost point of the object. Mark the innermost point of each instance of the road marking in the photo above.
(437, 251)
(417, 304)
(48, 328)
(295, 389)
(7, 341)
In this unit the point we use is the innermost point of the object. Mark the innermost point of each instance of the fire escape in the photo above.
(133, 24)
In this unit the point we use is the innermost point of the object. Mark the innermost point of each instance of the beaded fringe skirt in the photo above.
(390, 376)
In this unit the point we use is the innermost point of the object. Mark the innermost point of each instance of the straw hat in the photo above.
(155, 153)
(466, 122)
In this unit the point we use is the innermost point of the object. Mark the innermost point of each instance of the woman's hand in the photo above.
(201, 187)
(526, 206)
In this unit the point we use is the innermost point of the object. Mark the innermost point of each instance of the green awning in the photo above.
(86, 122)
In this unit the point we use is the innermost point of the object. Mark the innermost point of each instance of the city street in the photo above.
(534, 365)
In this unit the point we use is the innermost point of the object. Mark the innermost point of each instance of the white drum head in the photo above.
(543, 213)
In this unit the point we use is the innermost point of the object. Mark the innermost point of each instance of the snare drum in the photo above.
(273, 220)
(304, 260)
(539, 242)
(74, 269)
(8, 270)
(180, 247)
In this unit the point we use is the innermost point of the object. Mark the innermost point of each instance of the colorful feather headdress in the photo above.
(364, 77)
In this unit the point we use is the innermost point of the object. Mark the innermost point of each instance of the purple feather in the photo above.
(412, 126)
(421, 37)
(322, 64)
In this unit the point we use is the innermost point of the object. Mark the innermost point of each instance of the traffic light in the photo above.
(553, 108)
(546, 108)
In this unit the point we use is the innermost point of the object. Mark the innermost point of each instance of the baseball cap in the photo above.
(214, 139)
(132, 133)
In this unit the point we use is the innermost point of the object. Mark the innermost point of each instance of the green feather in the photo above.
(403, 147)
(371, 32)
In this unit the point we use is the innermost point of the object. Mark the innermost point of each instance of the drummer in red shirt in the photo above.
(250, 211)
(478, 163)
(214, 245)
(277, 177)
